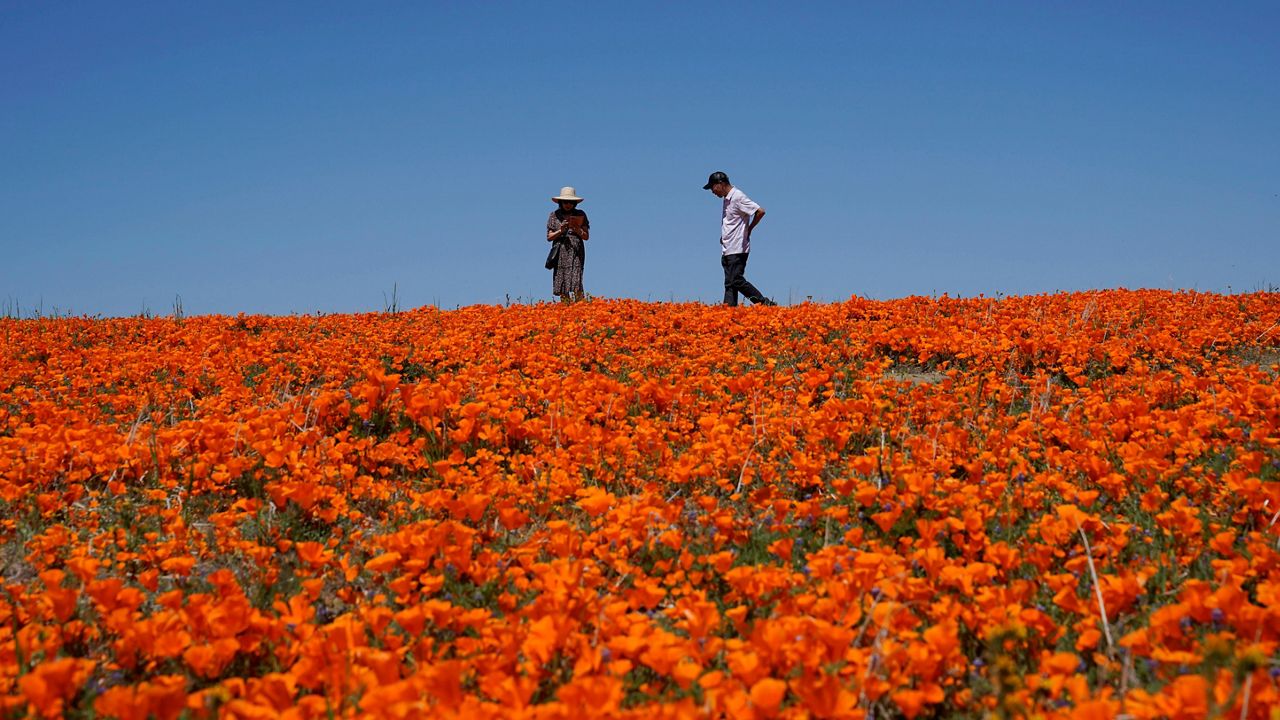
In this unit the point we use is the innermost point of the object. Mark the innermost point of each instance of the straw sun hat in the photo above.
(567, 195)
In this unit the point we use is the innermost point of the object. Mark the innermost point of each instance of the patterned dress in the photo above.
(566, 278)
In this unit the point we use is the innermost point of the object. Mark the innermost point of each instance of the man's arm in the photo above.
(755, 220)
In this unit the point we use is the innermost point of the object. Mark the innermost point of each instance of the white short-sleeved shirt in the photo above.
(737, 213)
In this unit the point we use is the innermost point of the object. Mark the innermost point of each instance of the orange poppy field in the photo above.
(1059, 506)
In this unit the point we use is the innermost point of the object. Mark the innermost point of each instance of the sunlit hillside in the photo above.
(1061, 505)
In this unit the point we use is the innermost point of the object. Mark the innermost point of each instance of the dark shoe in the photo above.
(765, 301)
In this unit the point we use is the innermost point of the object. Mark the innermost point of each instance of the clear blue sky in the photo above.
(309, 157)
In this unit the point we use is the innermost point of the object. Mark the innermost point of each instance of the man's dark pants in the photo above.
(734, 283)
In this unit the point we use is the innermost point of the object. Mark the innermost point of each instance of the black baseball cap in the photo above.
(716, 177)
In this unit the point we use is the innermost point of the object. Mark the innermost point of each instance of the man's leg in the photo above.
(742, 285)
(732, 275)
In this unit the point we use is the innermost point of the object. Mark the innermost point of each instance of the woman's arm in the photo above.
(555, 229)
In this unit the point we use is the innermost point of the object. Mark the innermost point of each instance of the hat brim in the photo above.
(566, 199)
(707, 186)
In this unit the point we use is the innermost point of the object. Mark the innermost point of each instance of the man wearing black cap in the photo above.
(738, 218)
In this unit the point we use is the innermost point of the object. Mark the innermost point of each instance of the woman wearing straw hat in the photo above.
(567, 230)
